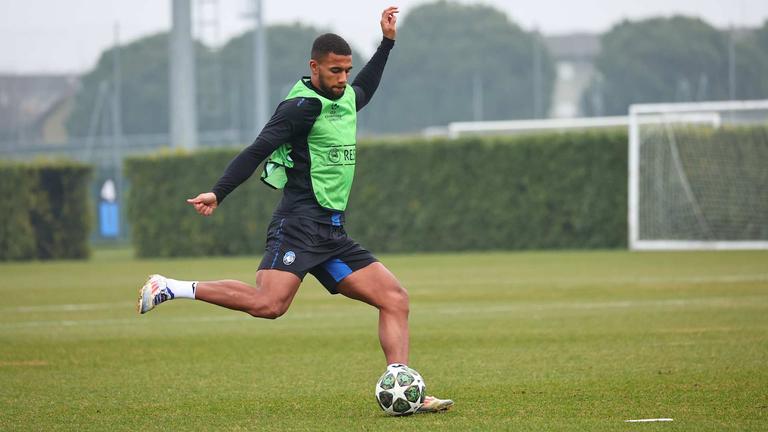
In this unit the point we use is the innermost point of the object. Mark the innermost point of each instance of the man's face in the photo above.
(331, 72)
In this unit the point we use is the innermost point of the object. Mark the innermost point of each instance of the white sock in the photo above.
(182, 289)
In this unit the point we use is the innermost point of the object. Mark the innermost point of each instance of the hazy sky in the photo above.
(68, 35)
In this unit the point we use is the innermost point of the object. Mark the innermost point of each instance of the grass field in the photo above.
(521, 341)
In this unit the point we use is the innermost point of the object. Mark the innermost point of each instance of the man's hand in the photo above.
(388, 21)
(205, 203)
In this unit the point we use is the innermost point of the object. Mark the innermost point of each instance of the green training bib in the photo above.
(332, 146)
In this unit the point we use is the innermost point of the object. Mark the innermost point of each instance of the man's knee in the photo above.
(268, 301)
(397, 299)
(268, 308)
(273, 311)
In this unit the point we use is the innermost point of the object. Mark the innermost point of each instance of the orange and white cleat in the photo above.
(154, 292)
(433, 404)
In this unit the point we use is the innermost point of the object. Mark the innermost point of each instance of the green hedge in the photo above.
(531, 192)
(163, 224)
(46, 210)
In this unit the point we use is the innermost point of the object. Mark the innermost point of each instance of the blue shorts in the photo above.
(300, 246)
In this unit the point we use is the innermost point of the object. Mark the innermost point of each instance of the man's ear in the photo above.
(313, 66)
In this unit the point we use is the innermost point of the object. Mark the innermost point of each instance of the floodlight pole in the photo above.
(731, 64)
(260, 95)
(537, 78)
(182, 77)
(117, 119)
(477, 98)
(117, 115)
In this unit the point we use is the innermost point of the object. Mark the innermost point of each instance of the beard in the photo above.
(332, 91)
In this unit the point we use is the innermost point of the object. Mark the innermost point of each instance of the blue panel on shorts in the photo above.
(337, 268)
(336, 219)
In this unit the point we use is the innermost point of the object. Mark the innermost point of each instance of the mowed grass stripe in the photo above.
(448, 308)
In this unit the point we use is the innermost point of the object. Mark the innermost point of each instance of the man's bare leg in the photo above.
(270, 298)
(377, 286)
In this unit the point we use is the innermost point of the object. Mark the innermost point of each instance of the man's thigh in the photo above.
(350, 260)
(277, 279)
(278, 286)
(293, 245)
(373, 284)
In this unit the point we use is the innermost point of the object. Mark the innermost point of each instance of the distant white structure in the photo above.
(512, 127)
(574, 56)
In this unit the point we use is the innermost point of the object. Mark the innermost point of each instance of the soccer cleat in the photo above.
(433, 404)
(154, 292)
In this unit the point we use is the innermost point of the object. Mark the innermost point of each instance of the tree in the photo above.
(144, 70)
(144, 88)
(288, 51)
(761, 37)
(752, 65)
(455, 62)
(751, 80)
(676, 59)
(224, 84)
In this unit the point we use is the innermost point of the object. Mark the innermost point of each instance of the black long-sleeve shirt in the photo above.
(291, 123)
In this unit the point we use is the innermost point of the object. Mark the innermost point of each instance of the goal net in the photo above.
(698, 176)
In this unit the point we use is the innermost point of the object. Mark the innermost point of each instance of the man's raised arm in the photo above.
(367, 81)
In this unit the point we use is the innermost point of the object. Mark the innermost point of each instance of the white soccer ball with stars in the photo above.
(400, 391)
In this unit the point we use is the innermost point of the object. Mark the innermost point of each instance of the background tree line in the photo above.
(452, 62)
(677, 59)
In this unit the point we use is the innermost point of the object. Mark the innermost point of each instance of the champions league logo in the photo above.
(346, 156)
(334, 155)
(334, 113)
(289, 258)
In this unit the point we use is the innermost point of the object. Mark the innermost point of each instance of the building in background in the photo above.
(35, 108)
(574, 56)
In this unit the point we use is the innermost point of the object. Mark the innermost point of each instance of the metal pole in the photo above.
(731, 65)
(117, 119)
(537, 79)
(477, 98)
(117, 122)
(182, 78)
(260, 95)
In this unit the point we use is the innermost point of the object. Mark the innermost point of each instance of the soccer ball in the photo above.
(400, 391)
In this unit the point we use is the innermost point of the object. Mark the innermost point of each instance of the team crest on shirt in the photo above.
(289, 258)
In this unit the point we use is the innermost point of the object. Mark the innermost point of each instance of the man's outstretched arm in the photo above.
(367, 81)
(290, 118)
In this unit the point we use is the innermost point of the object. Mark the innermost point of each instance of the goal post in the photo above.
(698, 176)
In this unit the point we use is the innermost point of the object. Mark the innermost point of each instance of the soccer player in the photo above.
(309, 147)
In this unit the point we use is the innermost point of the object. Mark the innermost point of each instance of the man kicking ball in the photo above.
(309, 145)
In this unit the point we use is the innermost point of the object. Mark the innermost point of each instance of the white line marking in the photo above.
(649, 420)
(600, 281)
(467, 309)
(23, 363)
(68, 307)
(117, 321)
(138, 321)
(620, 304)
